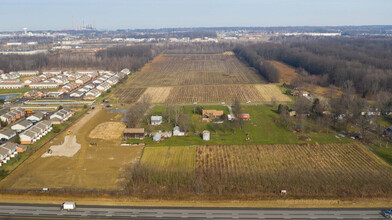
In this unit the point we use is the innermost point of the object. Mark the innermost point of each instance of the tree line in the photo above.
(364, 61)
(115, 59)
(263, 67)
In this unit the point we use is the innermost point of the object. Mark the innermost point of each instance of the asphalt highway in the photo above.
(36, 211)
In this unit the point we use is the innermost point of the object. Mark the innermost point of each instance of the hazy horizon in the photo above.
(154, 14)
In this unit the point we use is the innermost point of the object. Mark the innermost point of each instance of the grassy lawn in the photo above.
(284, 90)
(384, 151)
(384, 122)
(9, 91)
(261, 129)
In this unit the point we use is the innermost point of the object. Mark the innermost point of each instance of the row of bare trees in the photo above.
(263, 67)
(115, 59)
(364, 61)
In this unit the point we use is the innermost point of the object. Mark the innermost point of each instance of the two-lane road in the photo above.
(30, 211)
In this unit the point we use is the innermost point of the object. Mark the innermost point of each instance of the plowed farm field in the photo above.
(306, 170)
(227, 93)
(302, 169)
(195, 69)
(158, 94)
(129, 95)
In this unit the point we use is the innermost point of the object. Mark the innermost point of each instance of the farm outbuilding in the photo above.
(206, 135)
(156, 120)
(243, 116)
(177, 131)
(134, 133)
(212, 113)
(157, 137)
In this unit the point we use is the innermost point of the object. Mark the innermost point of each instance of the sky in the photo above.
(141, 14)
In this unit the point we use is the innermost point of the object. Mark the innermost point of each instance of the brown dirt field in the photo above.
(194, 69)
(271, 91)
(128, 95)
(96, 167)
(327, 169)
(158, 94)
(226, 93)
(287, 73)
(108, 131)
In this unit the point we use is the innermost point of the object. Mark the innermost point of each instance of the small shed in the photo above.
(134, 133)
(157, 137)
(177, 131)
(156, 120)
(206, 135)
(244, 116)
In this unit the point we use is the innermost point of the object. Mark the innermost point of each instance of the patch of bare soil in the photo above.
(108, 131)
(69, 148)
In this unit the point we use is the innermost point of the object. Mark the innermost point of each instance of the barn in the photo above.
(134, 133)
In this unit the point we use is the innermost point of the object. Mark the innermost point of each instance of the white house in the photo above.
(89, 86)
(37, 116)
(45, 126)
(27, 137)
(11, 85)
(62, 115)
(54, 72)
(77, 94)
(112, 80)
(3, 155)
(156, 120)
(83, 80)
(177, 132)
(85, 72)
(21, 126)
(7, 134)
(44, 85)
(11, 147)
(92, 94)
(98, 81)
(126, 71)
(7, 118)
(103, 87)
(28, 73)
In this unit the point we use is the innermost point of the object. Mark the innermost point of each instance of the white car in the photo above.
(68, 206)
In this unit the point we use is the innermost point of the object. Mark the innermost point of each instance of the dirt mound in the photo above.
(108, 131)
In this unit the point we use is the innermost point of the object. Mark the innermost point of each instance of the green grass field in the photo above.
(261, 129)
